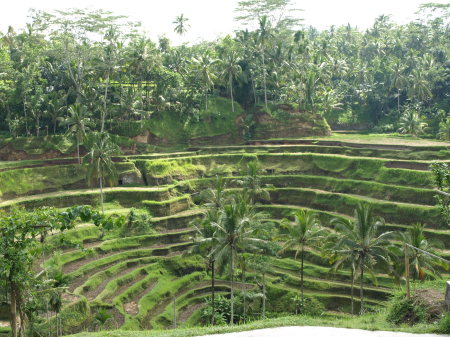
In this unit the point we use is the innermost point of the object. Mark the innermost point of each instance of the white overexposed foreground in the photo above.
(317, 331)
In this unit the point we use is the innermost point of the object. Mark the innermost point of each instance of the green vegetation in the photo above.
(291, 219)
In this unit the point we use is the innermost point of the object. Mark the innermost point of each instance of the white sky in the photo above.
(209, 19)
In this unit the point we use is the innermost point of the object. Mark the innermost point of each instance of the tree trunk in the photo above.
(245, 295)
(264, 296)
(353, 291)
(264, 78)
(213, 304)
(232, 287)
(301, 276)
(231, 91)
(361, 290)
(408, 288)
(78, 151)
(101, 194)
(104, 103)
(13, 307)
(398, 101)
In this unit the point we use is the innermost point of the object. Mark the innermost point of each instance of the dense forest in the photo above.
(386, 78)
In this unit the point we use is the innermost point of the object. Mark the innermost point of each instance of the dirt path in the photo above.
(316, 331)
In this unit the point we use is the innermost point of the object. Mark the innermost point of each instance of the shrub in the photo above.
(444, 324)
(422, 307)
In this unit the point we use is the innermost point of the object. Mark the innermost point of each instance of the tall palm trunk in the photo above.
(213, 304)
(101, 194)
(353, 291)
(78, 151)
(232, 285)
(231, 91)
(398, 101)
(361, 290)
(264, 296)
(301, 276)
(245, 295)
(264, 78)
(104, 103)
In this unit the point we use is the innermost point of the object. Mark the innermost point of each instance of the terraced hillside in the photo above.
(137, 276)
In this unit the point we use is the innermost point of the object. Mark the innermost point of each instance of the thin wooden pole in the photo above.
(174, 312)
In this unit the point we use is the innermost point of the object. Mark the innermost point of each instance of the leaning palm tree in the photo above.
(411, 122)
(236, 230)
(415, 246)
(79, 124)
(101, 168)
(231, 70)
(361, 239)
(304, 231)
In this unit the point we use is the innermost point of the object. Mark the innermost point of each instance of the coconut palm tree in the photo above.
(205, 64)
(411, 122)
(236, 230)
(361, 239)
(181, 24)
(419, 264)
(231, 70)
(306, 230)
(79, 124)
(343, 260)
(264, 33)
(251, 182)
(204, 243)
(101, 168)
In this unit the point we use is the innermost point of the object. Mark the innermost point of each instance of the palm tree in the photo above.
(341, 260)
(79, 124)
(264, 32)
(444, 130)
(360, 239)
(231, 71)
(181, 24)
(236, 230)
(204, 243)
(101, 168)
(251, 182)
(411, 122)
(415, 244)
(101, 317)
(304, 231)
(398, 80)
(205, 65)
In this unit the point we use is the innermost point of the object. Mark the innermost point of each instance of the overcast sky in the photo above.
(209, 19)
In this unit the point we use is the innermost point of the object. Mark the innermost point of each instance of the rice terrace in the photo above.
(282, 177)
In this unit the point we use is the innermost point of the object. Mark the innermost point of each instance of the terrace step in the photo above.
(88, 196)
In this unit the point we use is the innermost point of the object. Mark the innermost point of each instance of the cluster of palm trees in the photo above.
(100, 145)
(232, 226)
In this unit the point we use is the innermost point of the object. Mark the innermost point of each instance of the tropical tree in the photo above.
(181, 24)
(251, 182)
(231, 70)
(264, 33)
(361, 238)
(415, 244)
(204, 244)
(411, 122)
(236, 230)
(101, 168)
(305, 231)
(205, 70)
(101, 317)
(444, 130)
(79, 124)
